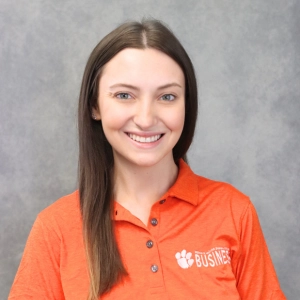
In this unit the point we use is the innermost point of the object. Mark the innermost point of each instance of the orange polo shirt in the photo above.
(203, 241)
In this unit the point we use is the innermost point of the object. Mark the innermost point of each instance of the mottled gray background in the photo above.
(246, 55)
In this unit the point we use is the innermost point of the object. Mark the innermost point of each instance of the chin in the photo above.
(145, 162)
(152, 161)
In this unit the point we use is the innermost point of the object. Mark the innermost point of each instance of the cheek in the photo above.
(176, 120)
(111, 128)
(112, 117)
(112, 125)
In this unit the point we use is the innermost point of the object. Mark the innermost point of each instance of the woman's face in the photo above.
(141, 104)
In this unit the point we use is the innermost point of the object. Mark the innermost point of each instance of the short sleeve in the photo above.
(255, 274)
(38, 276)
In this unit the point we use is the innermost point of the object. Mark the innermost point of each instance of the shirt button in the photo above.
(154, 268)
(154, 222)
(162, 201)
(149, 244)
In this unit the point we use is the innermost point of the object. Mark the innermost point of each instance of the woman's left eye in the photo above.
(168, 97)
(123, 96)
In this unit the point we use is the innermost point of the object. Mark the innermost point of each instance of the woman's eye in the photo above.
(168, 97)
(123, 96)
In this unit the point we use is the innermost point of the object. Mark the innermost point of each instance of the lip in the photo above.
(145, 135)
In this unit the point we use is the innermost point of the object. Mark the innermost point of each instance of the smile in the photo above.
(143, 139)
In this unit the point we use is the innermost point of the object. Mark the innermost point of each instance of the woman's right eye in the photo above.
(123, 96)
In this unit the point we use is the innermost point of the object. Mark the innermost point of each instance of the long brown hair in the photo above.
(95, 153)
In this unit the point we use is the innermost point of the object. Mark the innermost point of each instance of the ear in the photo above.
(96, 114)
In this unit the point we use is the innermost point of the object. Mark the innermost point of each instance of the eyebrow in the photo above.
(137, 89)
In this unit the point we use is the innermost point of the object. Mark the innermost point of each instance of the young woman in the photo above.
(142, 225)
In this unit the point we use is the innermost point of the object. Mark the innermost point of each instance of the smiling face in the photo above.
(141, 104)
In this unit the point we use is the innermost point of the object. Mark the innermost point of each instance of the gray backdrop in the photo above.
(246, 55)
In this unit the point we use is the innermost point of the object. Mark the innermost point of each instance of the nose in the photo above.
(145, 115)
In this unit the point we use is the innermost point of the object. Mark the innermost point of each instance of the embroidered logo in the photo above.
(212, 258)
(184, 259)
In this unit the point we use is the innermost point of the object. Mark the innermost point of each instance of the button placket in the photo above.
(153, 267)
(153, 228)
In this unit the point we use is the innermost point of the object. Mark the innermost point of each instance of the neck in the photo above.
(141, 186)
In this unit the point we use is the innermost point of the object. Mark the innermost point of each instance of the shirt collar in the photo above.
(185, 188)
(186, 185)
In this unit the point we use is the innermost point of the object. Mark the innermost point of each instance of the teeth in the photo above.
(142, 139)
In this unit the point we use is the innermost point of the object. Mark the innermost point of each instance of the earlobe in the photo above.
(95, 114)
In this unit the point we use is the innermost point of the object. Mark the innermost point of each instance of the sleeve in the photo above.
(38, 276)
(255, 274)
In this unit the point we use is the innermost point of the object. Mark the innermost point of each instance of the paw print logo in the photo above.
(184, 259)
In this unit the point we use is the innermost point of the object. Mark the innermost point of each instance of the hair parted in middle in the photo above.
(95, 153)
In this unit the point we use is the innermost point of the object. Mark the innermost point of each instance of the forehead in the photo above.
(142, 65)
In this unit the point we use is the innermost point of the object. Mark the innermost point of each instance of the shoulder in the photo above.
(63, 213)
(222, 195)
(197, 189)
(212, 187)
(62, 208)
